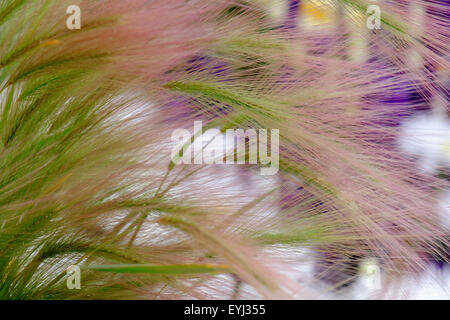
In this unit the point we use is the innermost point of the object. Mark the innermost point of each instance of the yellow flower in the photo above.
(315, 13)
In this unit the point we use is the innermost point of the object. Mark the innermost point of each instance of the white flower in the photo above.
(427, 137)
(444, 210)
(276, 9)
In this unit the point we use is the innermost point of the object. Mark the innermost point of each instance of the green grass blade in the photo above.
(174, 269)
